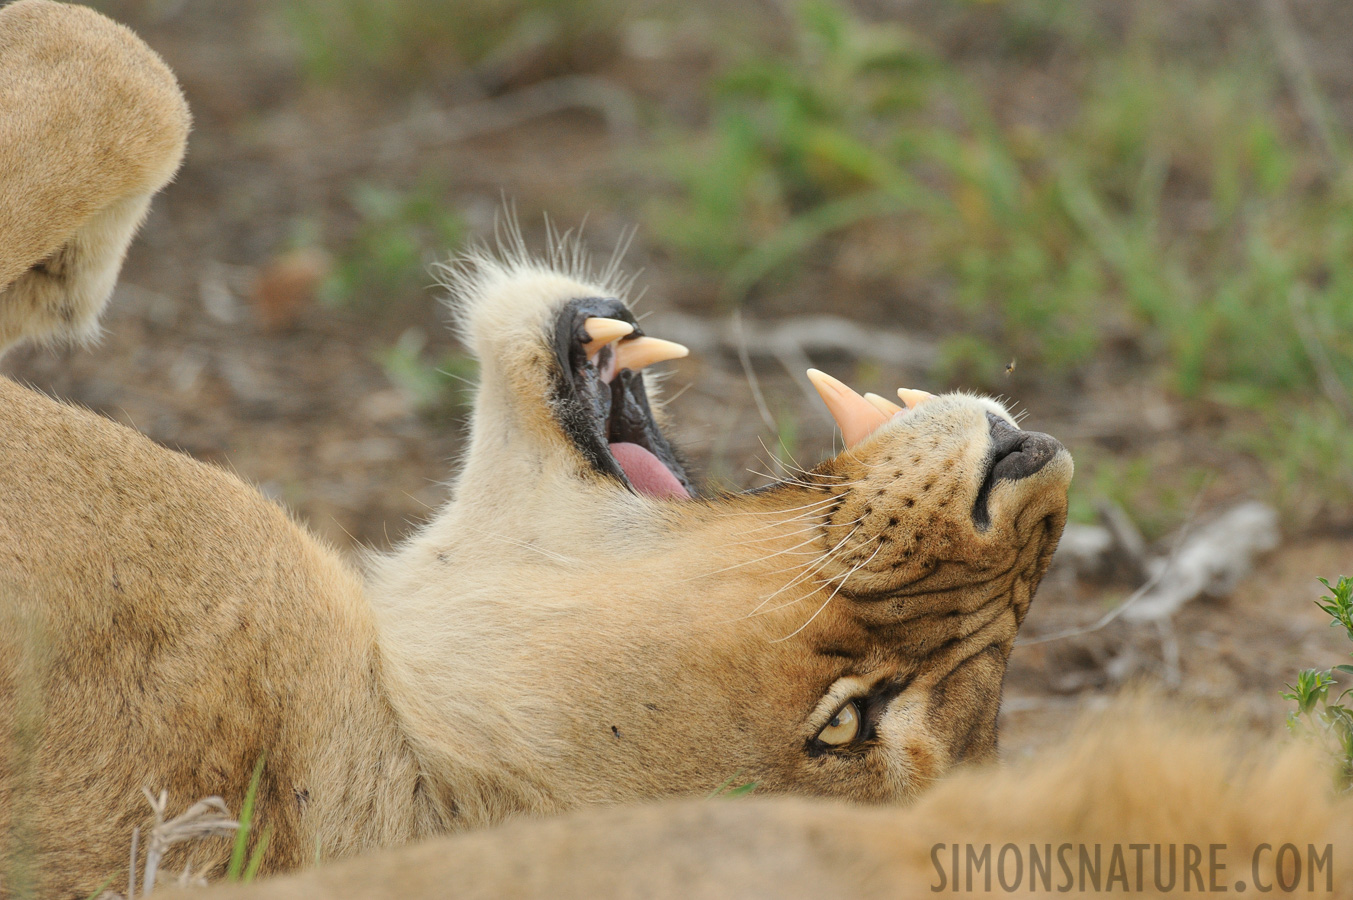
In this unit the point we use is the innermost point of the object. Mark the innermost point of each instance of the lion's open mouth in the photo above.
(602, 404)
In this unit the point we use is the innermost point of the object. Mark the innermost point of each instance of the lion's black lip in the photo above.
(1014, 454)
(595, 414)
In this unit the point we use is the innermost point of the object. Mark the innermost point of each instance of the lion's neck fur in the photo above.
(455, 621)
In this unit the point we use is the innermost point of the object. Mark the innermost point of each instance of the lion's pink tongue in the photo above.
(647, 473)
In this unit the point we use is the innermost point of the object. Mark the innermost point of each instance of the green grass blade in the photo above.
(257, 858)
(101, 888)
(804, 231)
(724, 786)
(237, 854)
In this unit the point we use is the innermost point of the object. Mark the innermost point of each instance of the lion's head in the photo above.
(579, 623)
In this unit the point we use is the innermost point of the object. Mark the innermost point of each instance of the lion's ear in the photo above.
(92, 124)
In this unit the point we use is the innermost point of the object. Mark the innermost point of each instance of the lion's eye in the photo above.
(843, 727)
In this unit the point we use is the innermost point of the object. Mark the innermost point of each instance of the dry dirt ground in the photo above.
(309, 414)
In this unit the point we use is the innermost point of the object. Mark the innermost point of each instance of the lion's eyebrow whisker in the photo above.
(800, 513)
(820, 557)
(808, 509)
(775, 609)
(790, 552)
(841, 480)
(774, 461)
(804, 576)
(808, 572)
(795, 523)
(778, 479)
(838, 481)
(669, 401)
(813, 515)
(794, 582)
(793, 481)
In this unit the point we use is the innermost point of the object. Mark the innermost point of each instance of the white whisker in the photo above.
(773, 537)
(830, 596)
(808, 572)
(526, 545)
(825, 501)
(815, 516)
(746, 562)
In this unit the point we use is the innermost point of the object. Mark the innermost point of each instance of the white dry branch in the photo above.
(207, 818)
(1114, 546)
(438, 127)
(1210, 562)
(791, 340)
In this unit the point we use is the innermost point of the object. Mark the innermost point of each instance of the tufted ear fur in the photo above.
(92, 124)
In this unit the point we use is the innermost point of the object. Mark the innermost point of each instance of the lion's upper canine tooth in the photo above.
(913, 398)
(639, 352)
(601, 332)
(883, 405)
(854, 414)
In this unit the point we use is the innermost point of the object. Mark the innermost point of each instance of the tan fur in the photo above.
(1141, 773)
(92, 124)
(550, 639)
(179, 626)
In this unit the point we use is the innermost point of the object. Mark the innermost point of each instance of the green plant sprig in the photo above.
(1328, 719)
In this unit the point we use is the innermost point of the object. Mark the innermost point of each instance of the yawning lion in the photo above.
(577, 625)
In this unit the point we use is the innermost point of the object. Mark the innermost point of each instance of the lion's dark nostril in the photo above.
(1014, 454)
(1018, 454)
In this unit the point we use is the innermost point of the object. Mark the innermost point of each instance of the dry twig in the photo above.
(444, 126)
(207, 818)
(1297, 67)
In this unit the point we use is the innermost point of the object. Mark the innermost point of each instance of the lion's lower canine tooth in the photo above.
(639, 352)
(913, 398)
(883, 405)
(601, 332)
(854, 414)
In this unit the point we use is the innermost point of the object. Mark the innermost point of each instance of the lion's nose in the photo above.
(1017, 454)
(1014, 455)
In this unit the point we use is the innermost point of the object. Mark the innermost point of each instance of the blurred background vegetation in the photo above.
(1146, 205)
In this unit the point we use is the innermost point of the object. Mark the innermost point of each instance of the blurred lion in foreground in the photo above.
(577, 630)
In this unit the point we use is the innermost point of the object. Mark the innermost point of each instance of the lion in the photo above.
(578, 625)
(524, 697)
